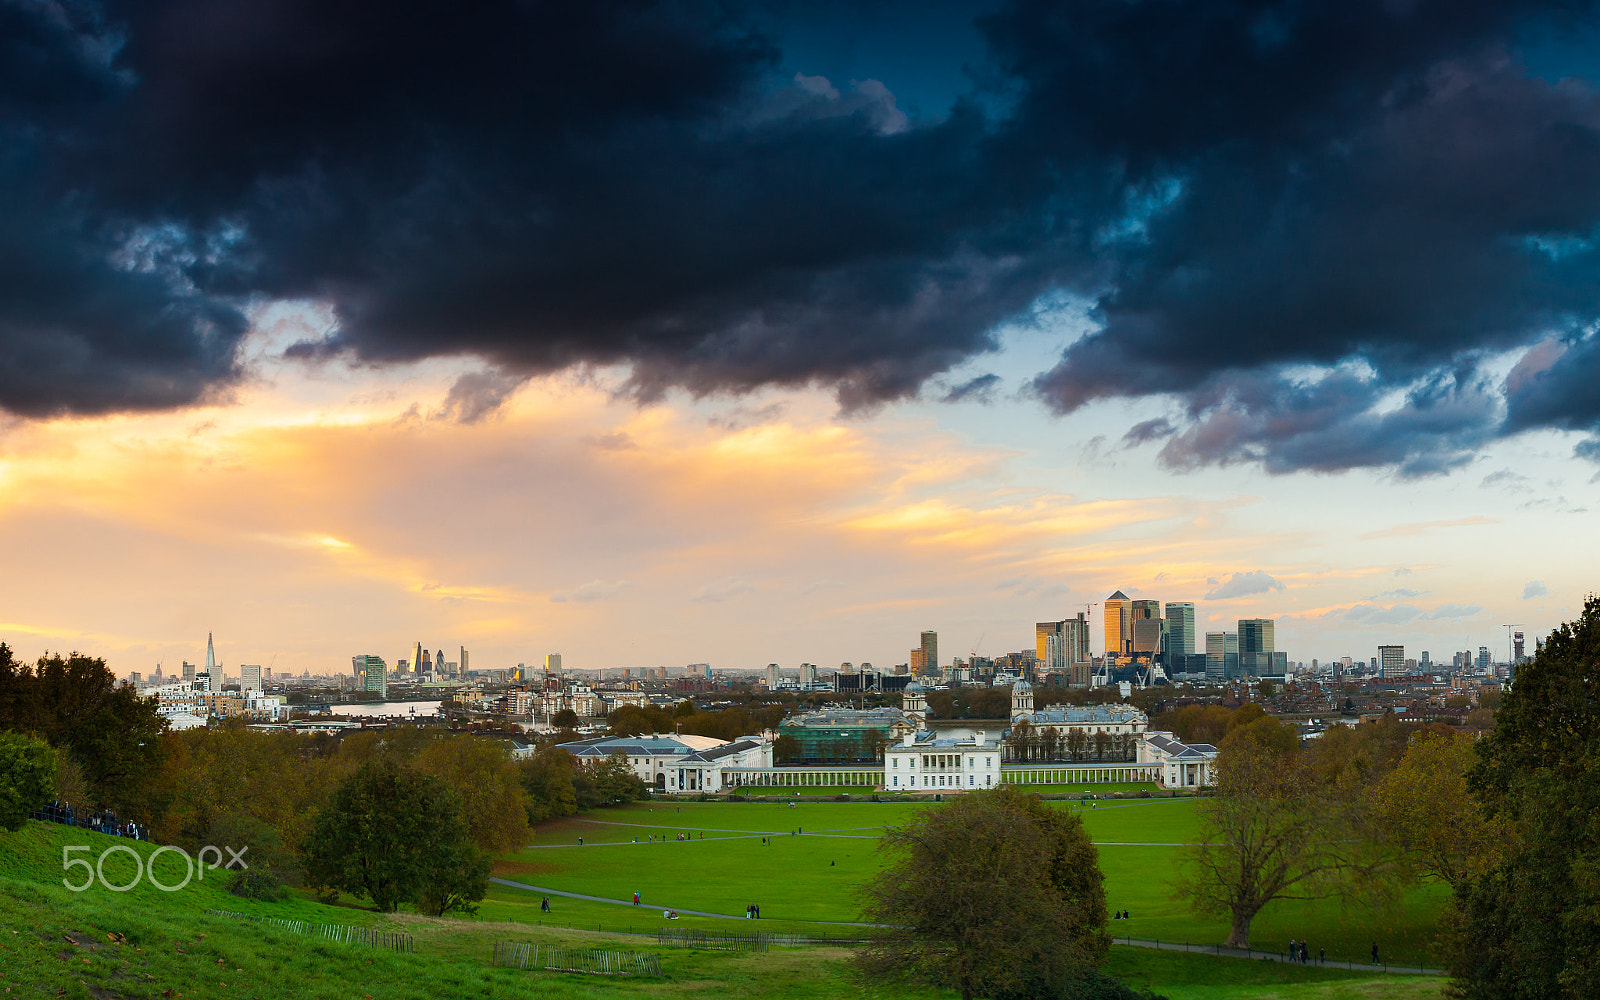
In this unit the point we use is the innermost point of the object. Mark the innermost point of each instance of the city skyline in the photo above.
(823, 329)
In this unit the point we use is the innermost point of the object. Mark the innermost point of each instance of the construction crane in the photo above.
(1511, 656)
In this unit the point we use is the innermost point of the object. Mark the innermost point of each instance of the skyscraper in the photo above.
(461, 667)
(188, 671)
(211, 656)
(426, 665)
(772, 677)
(1119, 624)
(416, 657)
(1257, 643)
(1391, 661)
(249, 677)
(1222, 656)
(1146, 617)
(552, 663)
(930, 650)
(1071, 652)
(1180, 629)
(373, 674)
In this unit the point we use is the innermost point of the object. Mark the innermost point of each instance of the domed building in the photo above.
(1021, 698)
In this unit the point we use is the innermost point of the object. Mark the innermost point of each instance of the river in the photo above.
(384, 708)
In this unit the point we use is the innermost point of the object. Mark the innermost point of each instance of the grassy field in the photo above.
(801, 862)
(58, 945)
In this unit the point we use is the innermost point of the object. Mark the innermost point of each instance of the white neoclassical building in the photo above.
(923, 762)
(1183, 765)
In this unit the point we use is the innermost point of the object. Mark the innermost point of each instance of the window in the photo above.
(988, 779)
(897, 780)
(988, 762)
(971, 780)
(972, 762)
(896, 762)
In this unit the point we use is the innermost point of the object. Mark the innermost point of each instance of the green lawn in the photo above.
(58, 942)
(810, 876)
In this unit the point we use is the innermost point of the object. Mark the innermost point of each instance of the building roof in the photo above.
(1086, 715)
(1118, 596)
(848, 717)
(929, 740)
(1176, 750)
(1021, 686)
(635, 746)
(725, 750)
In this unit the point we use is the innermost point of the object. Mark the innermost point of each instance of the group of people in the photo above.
(104, 821)
(752, 912)
(1120, 915)
(1300, 951)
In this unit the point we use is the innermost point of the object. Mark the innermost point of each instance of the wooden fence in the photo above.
(397, 941)
(596, 961)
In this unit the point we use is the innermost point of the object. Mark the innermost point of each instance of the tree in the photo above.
(1530, 926)
(396, 836)
(565, 719)
(786, 749)
(483, 774)
(547, 779)
(1424, 810)
(27, 778)
(1264, 834)
(991, 894)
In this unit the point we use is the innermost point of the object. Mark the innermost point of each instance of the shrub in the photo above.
(258, 883)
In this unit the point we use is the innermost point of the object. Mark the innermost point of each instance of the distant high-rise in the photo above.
(1257, 643)
(1180, 629)
(1119, 624)
(249, 677)
(552, 663)
(427, 663)
(1064, 646)
(1222, 655)
(1518, 644)
(211, 655)
(373, 674)
(808, 673)
(188, 671)
(461, 667)
(438, 661)
(416, 657)
(1146, 632)
(919, 661)
(930, 650)
(1391, 661)
(772, 677)
(1484, 659)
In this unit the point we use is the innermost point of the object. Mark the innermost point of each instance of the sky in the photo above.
(666, 333)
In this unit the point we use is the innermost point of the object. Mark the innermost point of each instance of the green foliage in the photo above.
(993, 894)
(396, 836)
(27, 777)
(786, 749)
(611, 782)
(258, 883)
(547, 779)
(565, 719)
(1530, 927)
(77, 705)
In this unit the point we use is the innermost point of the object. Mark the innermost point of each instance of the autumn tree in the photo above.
(483, 774)
(547, 782)
(992, 894)
(1263, 836)
(1424, 810)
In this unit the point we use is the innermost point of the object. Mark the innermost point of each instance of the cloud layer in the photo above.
(1311, 228)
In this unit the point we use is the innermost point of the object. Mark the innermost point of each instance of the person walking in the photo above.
(636, 899)
(1375, 954)
(1322, 956)
(1291, 949)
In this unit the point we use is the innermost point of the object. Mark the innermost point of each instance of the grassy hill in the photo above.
(56, 942)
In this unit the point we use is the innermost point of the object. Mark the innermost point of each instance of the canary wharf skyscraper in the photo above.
(1119, 624)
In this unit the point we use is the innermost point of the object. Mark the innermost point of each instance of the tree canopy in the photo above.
(396, 835)
(27, 777)
(1530, 926)
(992, 894)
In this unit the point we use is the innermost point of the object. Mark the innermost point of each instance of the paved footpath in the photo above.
(1273, 956)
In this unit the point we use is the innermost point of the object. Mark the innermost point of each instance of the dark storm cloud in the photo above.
(1307, 225)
